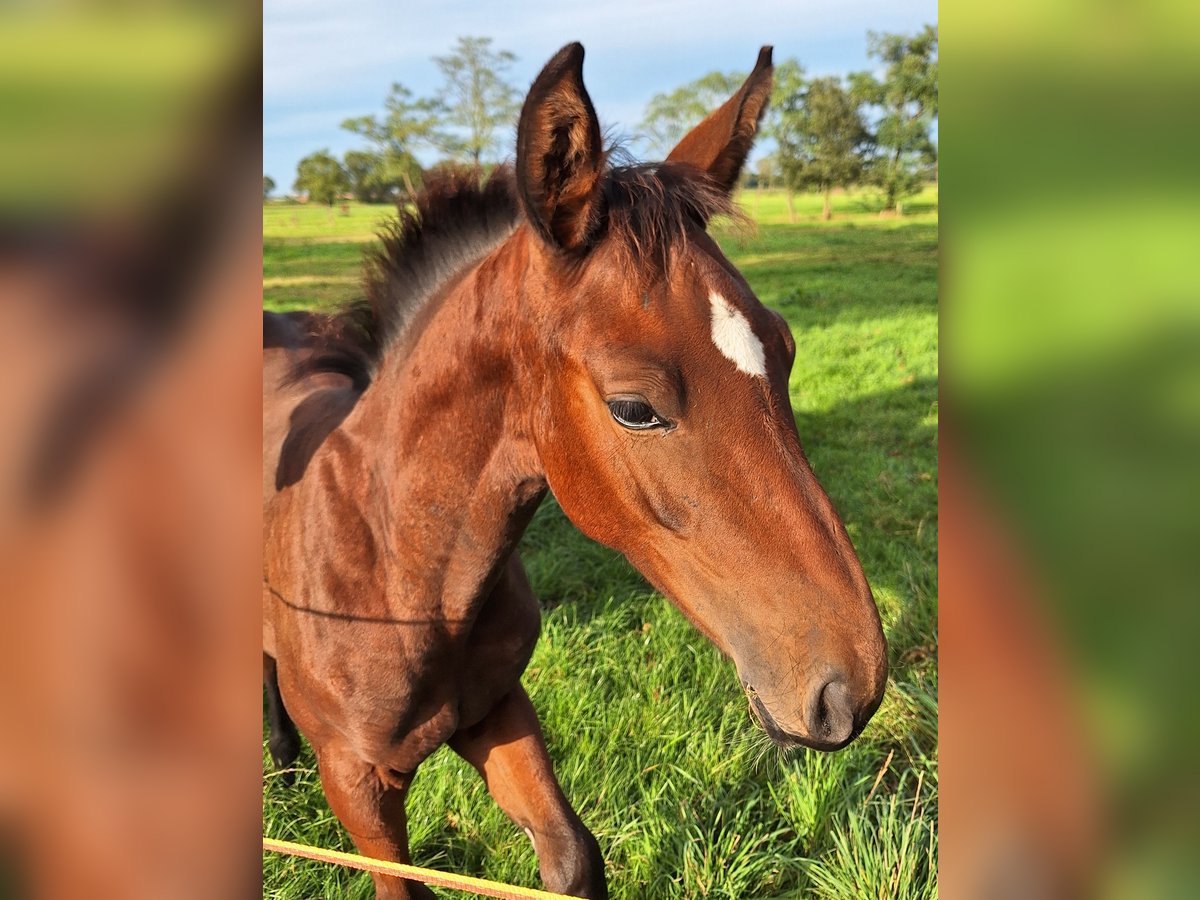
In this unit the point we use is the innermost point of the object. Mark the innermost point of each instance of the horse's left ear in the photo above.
(720, 144)
(560, 159)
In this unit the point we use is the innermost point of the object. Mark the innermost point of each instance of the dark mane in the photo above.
(456, 220)
(648, 210)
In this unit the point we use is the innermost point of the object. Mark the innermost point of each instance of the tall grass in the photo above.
(645, 721)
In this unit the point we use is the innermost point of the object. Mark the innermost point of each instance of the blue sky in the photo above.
(324, 61)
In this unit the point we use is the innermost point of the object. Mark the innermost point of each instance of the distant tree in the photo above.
(786, 96)
(268, 186)
(407, 126)
(823, 142)
(670, 116)
(371, 180)
(907, 100)
(322, 177)
(765, 170)
(475, 96)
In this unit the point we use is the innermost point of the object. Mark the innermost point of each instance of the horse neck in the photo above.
(443, 467)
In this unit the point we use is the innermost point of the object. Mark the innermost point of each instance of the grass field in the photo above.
(646, 723)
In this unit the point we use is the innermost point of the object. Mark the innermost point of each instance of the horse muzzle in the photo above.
(829, 721)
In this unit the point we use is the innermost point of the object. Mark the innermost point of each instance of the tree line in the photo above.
(828, 132)
(460, 123)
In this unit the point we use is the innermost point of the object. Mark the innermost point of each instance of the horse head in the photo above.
(660, 407)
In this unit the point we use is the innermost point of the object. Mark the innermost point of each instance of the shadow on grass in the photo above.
(804, 271)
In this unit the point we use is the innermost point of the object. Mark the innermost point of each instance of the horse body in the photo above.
(389, 555)
(570, 327)
(397, 615)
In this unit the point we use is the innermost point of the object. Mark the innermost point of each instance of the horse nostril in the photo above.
(830, 717)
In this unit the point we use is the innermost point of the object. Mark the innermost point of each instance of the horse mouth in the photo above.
(788, 740)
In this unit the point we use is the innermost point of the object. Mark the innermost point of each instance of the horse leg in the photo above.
(369, 802)
(508, 750)
(284, 741)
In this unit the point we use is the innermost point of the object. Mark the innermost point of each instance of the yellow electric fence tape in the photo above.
(414, 873)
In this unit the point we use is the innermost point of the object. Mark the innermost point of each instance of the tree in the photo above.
(671, 116)
(407, 125)
(268, 186)
(476, 98)
(370, 178)
(785, 97)
(825, 141)
(322, 177)
(907, 100)
(765, 170)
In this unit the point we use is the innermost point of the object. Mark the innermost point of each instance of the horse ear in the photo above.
(720, 144)
(560, 159)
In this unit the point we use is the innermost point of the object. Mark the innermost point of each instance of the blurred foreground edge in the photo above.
(129, 465)
(1019, 815)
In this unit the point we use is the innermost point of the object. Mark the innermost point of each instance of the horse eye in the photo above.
(636, 414)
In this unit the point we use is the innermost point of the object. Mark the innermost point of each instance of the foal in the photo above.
(568, 326)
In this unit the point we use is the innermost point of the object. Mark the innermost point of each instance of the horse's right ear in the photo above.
(560, 159)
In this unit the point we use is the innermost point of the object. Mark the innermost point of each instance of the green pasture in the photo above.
(645, 721)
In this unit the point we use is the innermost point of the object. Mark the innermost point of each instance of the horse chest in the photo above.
(398, 689)
(498, 647)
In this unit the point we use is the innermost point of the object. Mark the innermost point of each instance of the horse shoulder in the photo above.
(298, 412)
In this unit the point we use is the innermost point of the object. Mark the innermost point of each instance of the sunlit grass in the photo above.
(646, 723)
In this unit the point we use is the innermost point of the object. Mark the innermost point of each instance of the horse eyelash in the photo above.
(623, 410)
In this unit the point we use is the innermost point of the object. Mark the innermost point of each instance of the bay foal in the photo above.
(567, 326)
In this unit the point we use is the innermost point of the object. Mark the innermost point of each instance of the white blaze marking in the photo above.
(735, 339)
